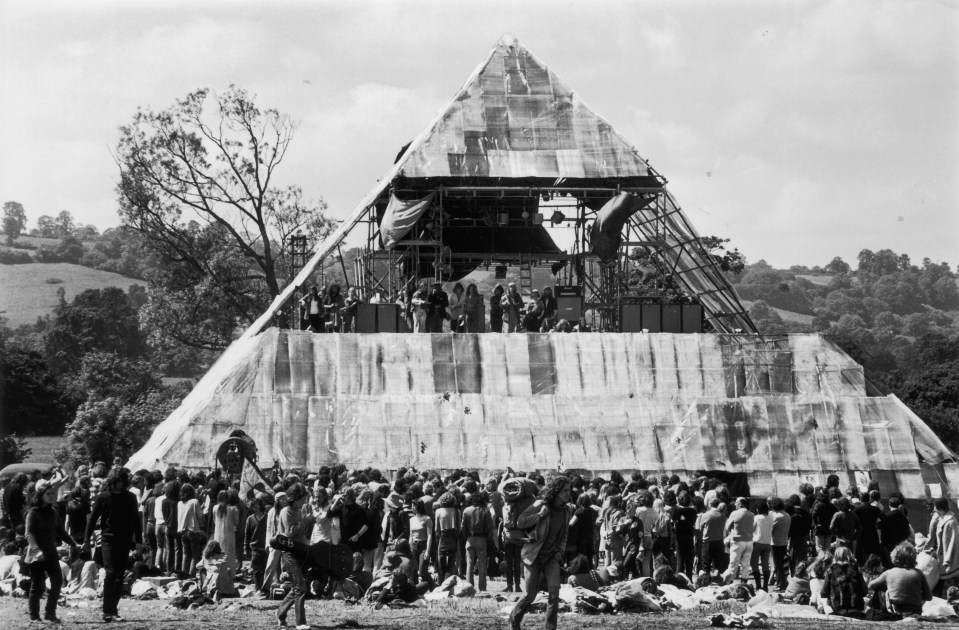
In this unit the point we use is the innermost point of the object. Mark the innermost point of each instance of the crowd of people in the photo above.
(101, 528)
(428, 307)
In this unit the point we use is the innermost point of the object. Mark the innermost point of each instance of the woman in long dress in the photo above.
(226, 517)
(474, 310)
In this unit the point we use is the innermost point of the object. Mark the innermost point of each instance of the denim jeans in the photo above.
(760, 563)
(39, 571)
(535, 574)
(476, 560)
(115, 556)
(297, 596)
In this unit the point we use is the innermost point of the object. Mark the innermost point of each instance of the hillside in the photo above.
(30, 291)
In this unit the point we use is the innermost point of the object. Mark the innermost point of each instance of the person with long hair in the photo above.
(168, 509)
(545, 553)
(447, 521)
(496, 309)
(43, 527)
(843, 585)
(421, 540)
(474, 310)
(294, 525)
(120, 529)
(254, 540)
(762, 545)
(226, 519)
(189, 528)
(457, 308)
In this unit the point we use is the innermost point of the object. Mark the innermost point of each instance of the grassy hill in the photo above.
(30, 291)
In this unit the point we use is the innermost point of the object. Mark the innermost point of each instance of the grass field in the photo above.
(25, 293)
(461, 614)
(788, 316)
(43, 448)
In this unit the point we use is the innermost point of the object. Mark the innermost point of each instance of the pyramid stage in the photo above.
(515, 155)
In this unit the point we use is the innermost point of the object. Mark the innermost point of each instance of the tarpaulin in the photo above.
(606, 231)
(599, 401)
(400, 217)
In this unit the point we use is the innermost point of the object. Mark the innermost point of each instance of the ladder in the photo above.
(526, 274)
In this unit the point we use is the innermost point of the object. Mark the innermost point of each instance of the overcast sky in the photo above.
(800, 130)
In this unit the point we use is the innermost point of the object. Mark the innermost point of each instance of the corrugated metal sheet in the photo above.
(778, 408)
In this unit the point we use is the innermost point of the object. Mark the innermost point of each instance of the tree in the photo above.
(47, 226)
(64, 225)
(837, 265)
(69, 249)
(14, 220)
(31, 399)
(96, 319)
(213, 158)
(647, 270)
(13, 450)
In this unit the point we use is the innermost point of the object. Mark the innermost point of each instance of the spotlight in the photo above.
(538, 218)
(557, 218)
(502, 218)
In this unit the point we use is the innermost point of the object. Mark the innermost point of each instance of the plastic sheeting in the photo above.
(400, 217)
(781, 410)
(515, 118)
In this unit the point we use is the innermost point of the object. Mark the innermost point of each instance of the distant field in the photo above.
(43, 448)
(25, 293)
(819, 280)
(788, 316)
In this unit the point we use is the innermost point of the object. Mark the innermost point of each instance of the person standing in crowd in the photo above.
(684, 520)
(550, 308)
(800, 524)
(294, 526)
(496, 309)
(845, 527)
(421, 540)
(447, 519)
(543, 555)
(42, 528)
(822, 512)
(254, 541)
(437, 303)
(420, 305)
(474, 310)
(615, 523)
(513, 307)
(581, 530)
(712, 523)
(762, 545)
(333, 304)
(78, 508)
(947, 544)
(649, 516)
(739, 529)
(116, 513)
(477, 530)
(780, 541)
(313, 303)
(457, 309)
(348, 312)
(870, 516)
(174, 546)
(533, 318)
(189, 527)
(895, 527)
(272, 571)
(226, 519)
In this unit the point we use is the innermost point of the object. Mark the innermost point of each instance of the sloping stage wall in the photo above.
(782, 410)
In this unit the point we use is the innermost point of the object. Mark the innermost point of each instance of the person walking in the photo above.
(477, 530)
(43, 527)
(544, 554)
(294, 525)
(120, 529)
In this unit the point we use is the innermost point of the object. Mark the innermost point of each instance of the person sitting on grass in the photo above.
(843, 587)
(217, 572)
(905, 585)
